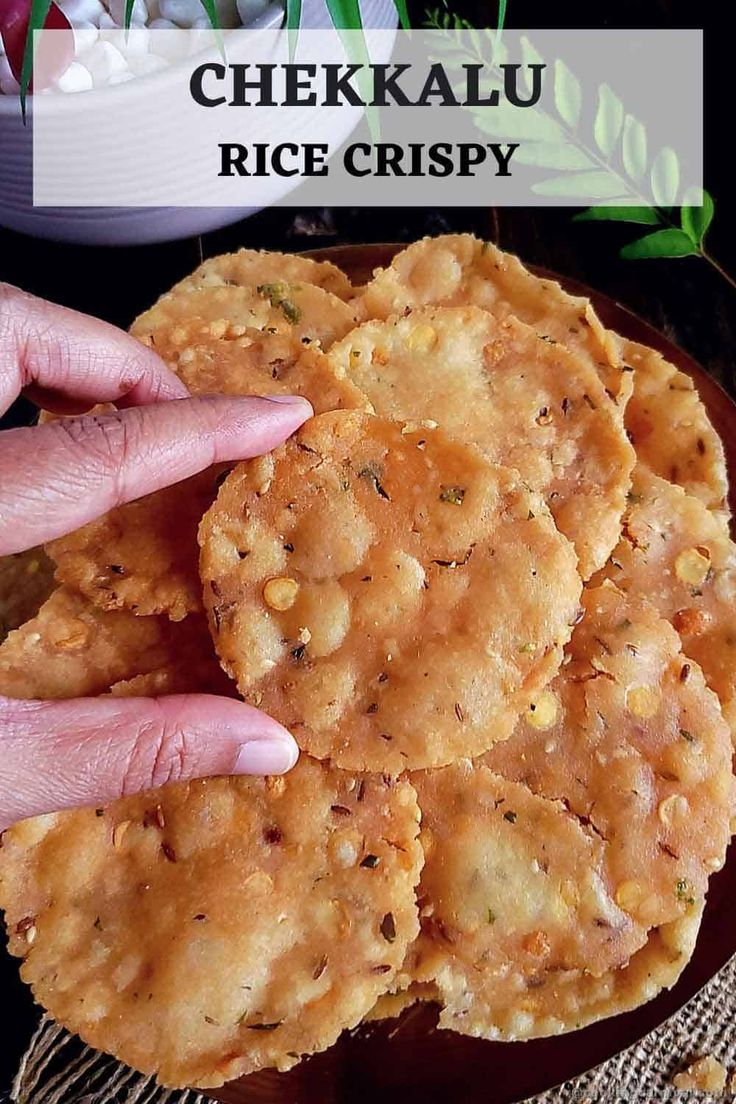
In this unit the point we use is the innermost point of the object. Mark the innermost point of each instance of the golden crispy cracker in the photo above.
(143, 556)
(525, 402)
(250, 267)
(26, 581)
(674, 552)
(304, 314)
(514, 888)
(213, 928)
(388, 595)
(670, 429)
(631, 739)
(72, 649)
(460, 270)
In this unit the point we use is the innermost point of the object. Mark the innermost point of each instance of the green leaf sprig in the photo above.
(669, 239)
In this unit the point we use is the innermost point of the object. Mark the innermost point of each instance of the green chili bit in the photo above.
(683, 892)
(455, 495)
(277, 297)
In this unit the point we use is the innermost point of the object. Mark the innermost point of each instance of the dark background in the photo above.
(685, 298)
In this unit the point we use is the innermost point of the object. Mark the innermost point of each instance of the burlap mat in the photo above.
(58, 1069)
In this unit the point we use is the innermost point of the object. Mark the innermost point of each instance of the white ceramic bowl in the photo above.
(127, 225)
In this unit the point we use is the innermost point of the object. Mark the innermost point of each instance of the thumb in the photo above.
(62, 754)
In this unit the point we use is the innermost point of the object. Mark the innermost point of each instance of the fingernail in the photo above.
(266, 757)
(289, 400)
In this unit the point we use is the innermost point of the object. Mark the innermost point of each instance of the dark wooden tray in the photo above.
(406, 1060)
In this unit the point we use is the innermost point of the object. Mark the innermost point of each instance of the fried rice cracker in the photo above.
(631, 739)
(675, 553)
(213, 928)
(386, 593)
(73, 649)
(525, 402)
(460, 270)
(514, 888)
(142, 556)
(305, 314)
(251, 267)
(670, 429)
(26, 581)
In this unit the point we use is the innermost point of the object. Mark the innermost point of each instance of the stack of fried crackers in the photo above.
(490, 589)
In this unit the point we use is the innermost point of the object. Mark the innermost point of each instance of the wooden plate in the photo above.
(407, 1060)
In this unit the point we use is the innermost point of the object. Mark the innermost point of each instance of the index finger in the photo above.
(54, 349)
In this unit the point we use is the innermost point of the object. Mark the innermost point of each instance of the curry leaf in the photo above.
(662, 243)
(647, 216)
(696, 217)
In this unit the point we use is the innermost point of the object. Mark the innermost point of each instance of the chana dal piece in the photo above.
(705, 1075)
(639, 751)
(26, 581)
(675, 553)
(423, 621)
(670, 429)
(524, 400)
(130, 918)
(251, 267)
(460, 270)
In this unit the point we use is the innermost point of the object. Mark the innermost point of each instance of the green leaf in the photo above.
(36, 19)
(529, 125)
(662, 243)
(665, 177)
(530, 56)
(293, 16)
(697, 214)
(608, 120)
(552, 155)
(568, 97)
(634, 151)
(597, 184)
(128, 15)
(647, 216)
(403, 13)
(345, 14)
(501, 15)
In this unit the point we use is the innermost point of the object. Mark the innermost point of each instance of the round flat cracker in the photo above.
(631, 739)
(674, 553)
(26, 581)
(250, 267)
(460, 270)
(568, 1002)
(670, 429)
(525, 402)
(72, 649)
(143, 556)
(214, 928)
(302, 313)
(514, 889)
(386, 593)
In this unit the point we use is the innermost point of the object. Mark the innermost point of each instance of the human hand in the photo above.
(57, 477)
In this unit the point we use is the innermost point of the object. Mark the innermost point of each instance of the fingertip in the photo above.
(266, 756)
